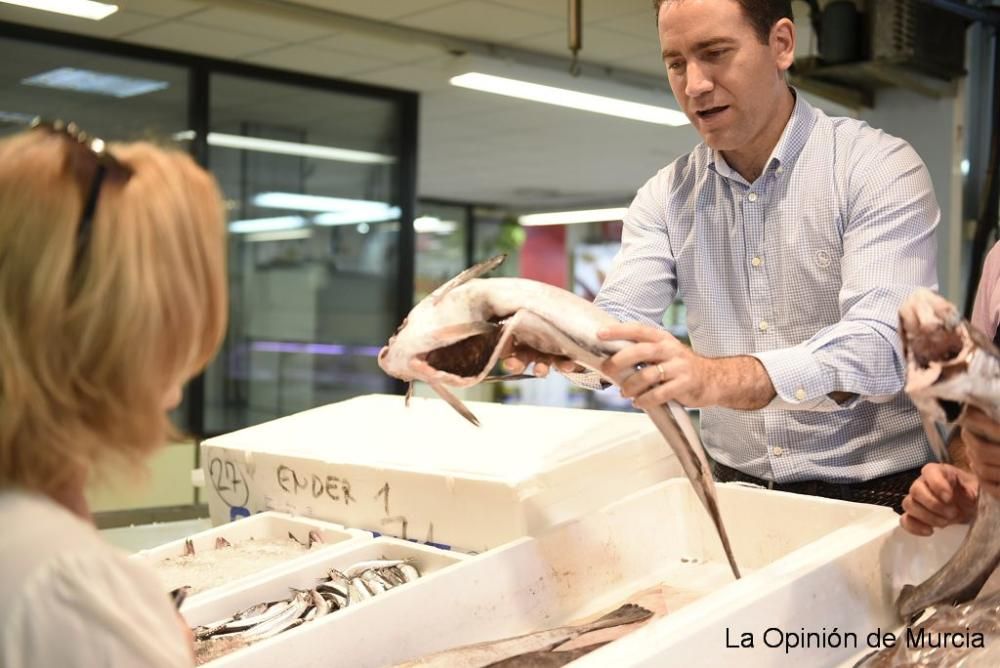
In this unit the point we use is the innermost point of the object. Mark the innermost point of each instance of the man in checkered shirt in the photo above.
(792, 238)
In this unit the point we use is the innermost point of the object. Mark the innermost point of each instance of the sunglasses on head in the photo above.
(92, 165)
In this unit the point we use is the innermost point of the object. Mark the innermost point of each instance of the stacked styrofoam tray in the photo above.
(266, 525)
(846, 583)
(309, 643)
(659, 536)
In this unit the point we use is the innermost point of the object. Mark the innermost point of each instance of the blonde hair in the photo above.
(89, 347)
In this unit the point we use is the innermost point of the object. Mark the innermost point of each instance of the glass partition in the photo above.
(311, 179)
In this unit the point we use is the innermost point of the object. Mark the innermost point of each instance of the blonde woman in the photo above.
(112, 295)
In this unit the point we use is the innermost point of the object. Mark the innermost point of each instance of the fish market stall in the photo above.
(656, 548)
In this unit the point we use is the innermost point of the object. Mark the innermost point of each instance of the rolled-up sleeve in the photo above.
(889, 249)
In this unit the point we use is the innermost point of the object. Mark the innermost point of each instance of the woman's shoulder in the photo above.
(65, 581)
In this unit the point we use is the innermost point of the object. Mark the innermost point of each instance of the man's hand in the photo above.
(674, 372)
(942, 495)
(981, 435)
(518, 358)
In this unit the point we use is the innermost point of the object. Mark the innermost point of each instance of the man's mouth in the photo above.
(711, 111)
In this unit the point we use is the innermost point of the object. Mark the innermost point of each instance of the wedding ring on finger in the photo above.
(663, 374)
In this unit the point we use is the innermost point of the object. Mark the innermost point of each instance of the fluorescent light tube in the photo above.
(570, 217)
(295, 148)
(280, 235)
(431, 225)
(289, 148)
(84, 9)
(572, 99)
(89, 81)
(300, 202)
(267, 224)
(358, 215)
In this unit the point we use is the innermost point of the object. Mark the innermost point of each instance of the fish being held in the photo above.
(455, 336)
(951, 366)
(496, 652)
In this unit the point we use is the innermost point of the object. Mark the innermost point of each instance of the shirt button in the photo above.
(780, 169)
(752, 197)
(800, 394)
(763, 325)
(777, 451)
(756, 262)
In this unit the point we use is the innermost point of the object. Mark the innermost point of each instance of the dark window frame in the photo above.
(200, 69)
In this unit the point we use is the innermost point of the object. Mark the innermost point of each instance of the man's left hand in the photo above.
(672, 370)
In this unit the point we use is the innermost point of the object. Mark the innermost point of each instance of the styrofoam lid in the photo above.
(513, 442)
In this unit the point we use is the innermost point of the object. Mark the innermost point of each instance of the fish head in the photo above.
(447, 340)
(936, 346)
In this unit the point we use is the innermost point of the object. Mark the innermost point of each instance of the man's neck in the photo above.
(749, 161)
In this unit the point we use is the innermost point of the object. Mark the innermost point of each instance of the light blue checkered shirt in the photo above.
(804, 269)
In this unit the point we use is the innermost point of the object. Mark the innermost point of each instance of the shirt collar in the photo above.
(793, 139)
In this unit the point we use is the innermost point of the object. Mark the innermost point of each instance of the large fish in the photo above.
(521, 649)
(951, 366)
(967, 635)
(456, 335)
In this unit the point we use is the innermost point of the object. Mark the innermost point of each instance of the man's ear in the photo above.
(782, 43)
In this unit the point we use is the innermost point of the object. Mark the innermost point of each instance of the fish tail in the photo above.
(630, 613)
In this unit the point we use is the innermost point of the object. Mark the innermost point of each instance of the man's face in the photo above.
(726, 81)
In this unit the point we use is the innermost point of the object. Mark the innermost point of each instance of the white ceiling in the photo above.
(473, 146)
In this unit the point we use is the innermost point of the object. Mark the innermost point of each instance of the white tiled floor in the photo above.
(144, 536)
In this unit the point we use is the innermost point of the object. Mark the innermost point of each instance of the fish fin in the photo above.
(467, 275)
(630, 613)
(674, 423)
(938, 447)
(455, 403)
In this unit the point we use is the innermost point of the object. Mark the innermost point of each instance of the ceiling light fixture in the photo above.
(300, 202)
(89, 81)
(267, 224)
(361, 215)
(571, 217)
(280, 235)
(432, 225)
(563, 97)
(243, 142)
(84, 9)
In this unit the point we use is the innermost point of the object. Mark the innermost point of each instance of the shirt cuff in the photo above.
(800, 382)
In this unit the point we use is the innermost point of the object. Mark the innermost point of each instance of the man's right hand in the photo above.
(520, 357)
(942, 495)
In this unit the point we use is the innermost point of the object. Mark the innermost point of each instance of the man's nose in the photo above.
(698, 82)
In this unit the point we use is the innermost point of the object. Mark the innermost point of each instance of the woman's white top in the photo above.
(71, 599)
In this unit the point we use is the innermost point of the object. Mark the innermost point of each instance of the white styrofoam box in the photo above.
(423, 472)
(299, 645)
(660, 535)
(266, 525)
(846, 583)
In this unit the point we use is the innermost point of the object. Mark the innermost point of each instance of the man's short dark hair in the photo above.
(762, 14)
